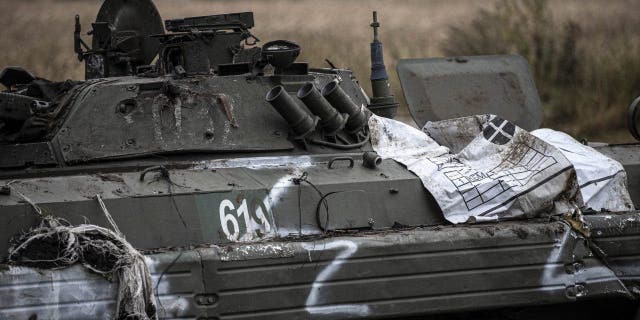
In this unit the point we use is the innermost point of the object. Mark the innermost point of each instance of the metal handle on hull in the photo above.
(351, 162)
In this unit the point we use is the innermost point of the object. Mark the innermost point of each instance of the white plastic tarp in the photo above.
(484, 168)
(602, 180)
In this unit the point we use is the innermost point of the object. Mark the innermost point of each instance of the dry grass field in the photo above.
(37, 34)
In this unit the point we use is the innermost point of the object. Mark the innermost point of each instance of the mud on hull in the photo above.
(396, 273)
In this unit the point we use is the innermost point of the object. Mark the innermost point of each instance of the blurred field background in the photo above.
(584, 54)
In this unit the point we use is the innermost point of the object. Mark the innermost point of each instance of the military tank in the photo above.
(252, 186)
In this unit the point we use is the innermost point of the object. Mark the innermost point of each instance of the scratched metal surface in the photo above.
(223, 201)
(230, 233)
(75, 294)
(131, 117)
(378, 274)
(383, 273)
(412, 273)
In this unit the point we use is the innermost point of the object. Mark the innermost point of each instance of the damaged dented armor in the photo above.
(197, 173)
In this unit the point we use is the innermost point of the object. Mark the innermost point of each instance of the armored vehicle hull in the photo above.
(408, 263)
(248, 186)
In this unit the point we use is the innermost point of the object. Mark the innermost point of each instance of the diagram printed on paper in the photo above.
(478, 188)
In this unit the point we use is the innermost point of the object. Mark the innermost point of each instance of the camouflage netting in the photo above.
(56, 244)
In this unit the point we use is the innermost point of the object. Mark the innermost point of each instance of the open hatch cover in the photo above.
(446, 88)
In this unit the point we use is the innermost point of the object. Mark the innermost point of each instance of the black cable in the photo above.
(342, 146)
(164, 173)
(298, 181)
(324, 200)
(164, 312)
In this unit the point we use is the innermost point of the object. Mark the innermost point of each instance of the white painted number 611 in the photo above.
(227, 218)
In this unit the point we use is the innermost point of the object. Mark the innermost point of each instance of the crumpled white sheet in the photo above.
(484, 168)
(602, 180)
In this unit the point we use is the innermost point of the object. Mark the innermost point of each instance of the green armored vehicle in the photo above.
(196, 175)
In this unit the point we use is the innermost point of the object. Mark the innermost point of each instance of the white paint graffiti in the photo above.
(553, 274)
(279, 189)
(226, 132)
(155, 115)
(295, 162)
(255, 219)
(167, 304)
(160, 102)
(314, 299)
(261, 217)
(282, 185)
(177, 113)
(69, 293)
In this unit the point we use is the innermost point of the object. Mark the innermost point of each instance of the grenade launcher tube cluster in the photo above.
(331, 121)
(298, 119)
(341, 101)
(331, 105)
